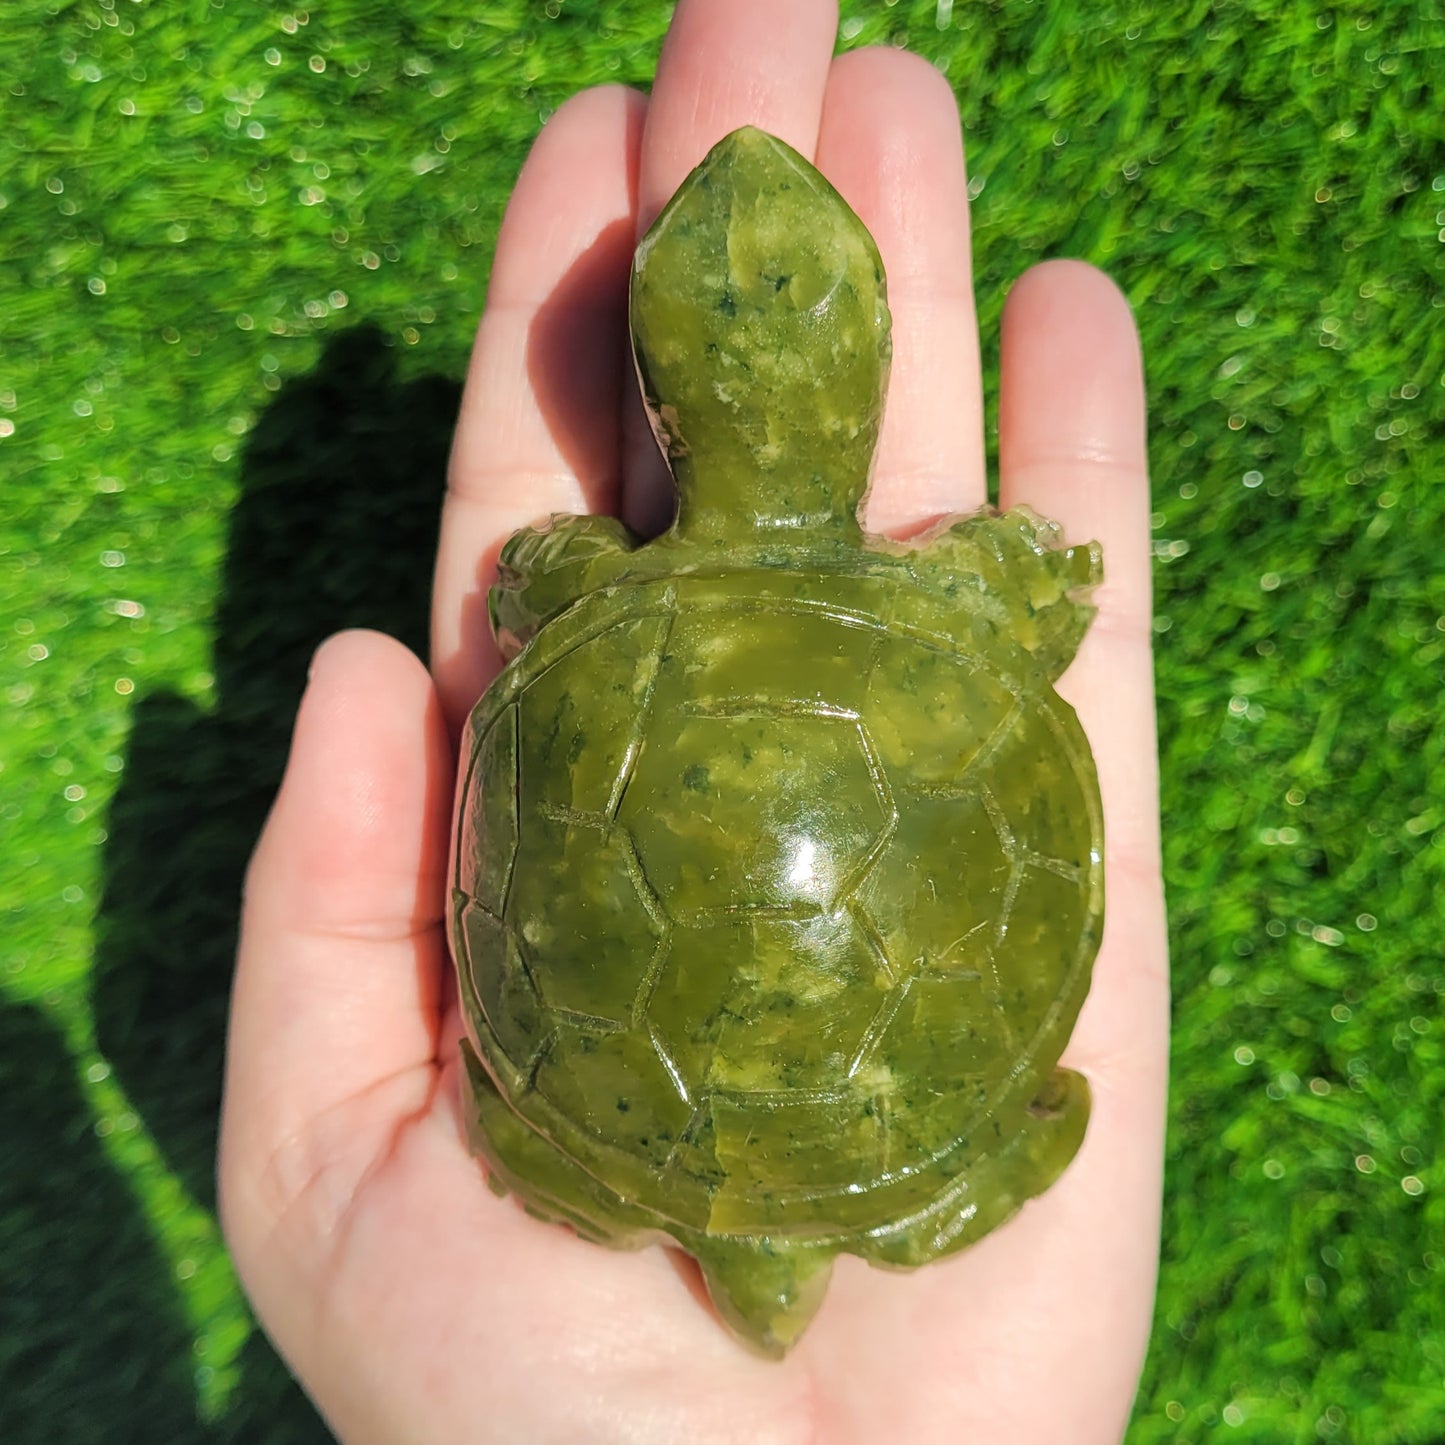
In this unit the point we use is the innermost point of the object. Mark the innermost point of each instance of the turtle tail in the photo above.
(767, 1290)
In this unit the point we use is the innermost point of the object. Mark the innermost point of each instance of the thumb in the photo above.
(339, 976)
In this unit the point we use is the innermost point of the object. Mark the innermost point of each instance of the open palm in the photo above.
(414, 1304)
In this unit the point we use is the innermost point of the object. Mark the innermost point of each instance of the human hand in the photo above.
(415, 1305)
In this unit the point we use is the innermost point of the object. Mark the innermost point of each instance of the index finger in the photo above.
(538, 431)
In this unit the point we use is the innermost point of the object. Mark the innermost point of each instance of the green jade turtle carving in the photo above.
(778, 874)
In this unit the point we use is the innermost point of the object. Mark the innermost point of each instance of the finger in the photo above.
(539, 431)
(1072, 445)
(339, 973)
(723, 65)
(892, 144)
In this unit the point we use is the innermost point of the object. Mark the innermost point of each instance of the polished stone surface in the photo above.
(779, 868)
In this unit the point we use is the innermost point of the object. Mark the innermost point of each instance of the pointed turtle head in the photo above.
(761, 331)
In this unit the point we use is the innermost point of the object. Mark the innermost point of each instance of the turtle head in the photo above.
(761, 331)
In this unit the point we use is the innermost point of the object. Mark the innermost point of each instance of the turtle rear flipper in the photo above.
(1034, 1153)
(1039, 1151)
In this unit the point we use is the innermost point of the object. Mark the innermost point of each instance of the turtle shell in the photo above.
(776, 897)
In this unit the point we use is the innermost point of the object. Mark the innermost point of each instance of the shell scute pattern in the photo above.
(703, 869)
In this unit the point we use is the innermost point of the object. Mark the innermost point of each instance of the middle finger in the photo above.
(724, 64)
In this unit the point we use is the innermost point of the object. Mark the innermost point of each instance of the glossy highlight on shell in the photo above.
(778, 871)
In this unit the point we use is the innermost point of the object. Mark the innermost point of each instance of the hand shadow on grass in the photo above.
(335, 526)
(74, 1330)
(94, 1343)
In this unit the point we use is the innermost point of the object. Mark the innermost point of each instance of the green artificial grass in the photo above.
(242, 253)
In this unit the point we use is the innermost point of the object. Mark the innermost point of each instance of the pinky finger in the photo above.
(1071, 425)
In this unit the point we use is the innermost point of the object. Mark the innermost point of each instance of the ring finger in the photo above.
(891, 143)
(538, 430)
(748, 62)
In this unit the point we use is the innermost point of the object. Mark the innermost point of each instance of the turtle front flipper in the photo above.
(766, 1289)
(543, 570)
(1036, 588)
